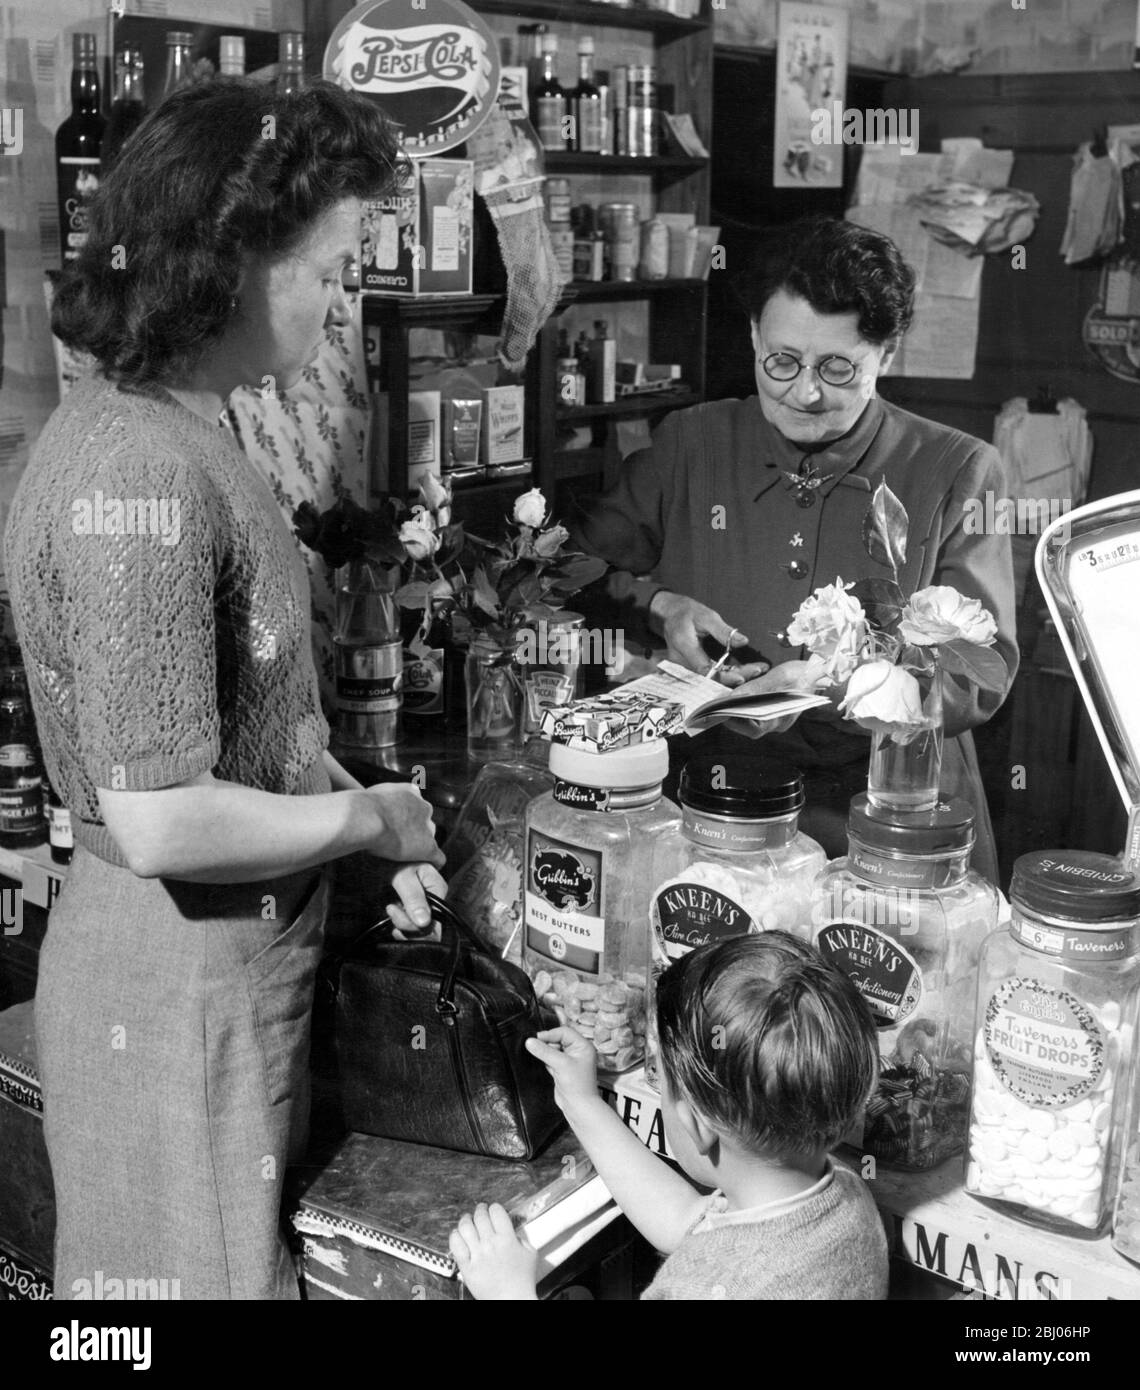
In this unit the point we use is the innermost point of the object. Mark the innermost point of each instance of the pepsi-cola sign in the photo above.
(433, 66)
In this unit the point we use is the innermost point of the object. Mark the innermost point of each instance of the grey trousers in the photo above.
(172, 1027)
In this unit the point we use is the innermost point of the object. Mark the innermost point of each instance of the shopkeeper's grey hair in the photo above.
(767, 1042)
(839, 268)
(220, 171)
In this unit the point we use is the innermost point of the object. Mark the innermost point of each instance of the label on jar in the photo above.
(542, 689)
(886, 976)
(1071, 943)
(423, 681)
(377, 694)
(688, 915)
(562, 903)
(16, 755)
(1046, 1047)
(588, 798)
(739, 836)
(548, 122)
(906, 873)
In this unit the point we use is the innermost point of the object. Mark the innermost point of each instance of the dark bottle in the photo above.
(548, 100)
(433, 670)
(231, 55)
(586, 103)
(128, 107)
(179, 67)
(78, 143)
(290, 63)
(22, 821)
(59, 828)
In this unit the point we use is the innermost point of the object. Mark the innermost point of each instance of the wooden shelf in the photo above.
(574, 162)
(628, 407)
(447, 311)
(584, 12)
(589, 291)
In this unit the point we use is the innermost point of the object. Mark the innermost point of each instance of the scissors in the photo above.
(719, 664)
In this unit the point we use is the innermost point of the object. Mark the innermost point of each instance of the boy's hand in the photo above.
(573, 1064)
(494, 1263)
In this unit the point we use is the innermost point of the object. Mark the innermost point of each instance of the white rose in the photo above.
(883, 697)
(435, 493)
(941, 614)
(833, 626)
(530, 508)
(420, 542)
(548, 543)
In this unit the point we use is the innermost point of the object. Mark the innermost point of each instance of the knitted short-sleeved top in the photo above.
(162, 608)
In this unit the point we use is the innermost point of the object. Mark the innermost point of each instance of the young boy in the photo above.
(767, 1055)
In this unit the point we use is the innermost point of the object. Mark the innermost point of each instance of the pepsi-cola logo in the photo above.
(432, 65)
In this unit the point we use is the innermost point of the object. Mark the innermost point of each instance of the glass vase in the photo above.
(906, 763)
(369, 655)
(494, 697)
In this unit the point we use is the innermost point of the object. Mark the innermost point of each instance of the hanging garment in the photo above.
(1096, 207)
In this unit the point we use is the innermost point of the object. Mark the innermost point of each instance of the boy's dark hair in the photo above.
(769, 1042)
(839, 268)
(221, 169)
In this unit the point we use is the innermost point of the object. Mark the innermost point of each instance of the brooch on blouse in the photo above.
(804, 483)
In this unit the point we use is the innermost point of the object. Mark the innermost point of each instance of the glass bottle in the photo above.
(905, 917)
(1126, 1216)
(290, 62)
(231, 55)
(1056, 1011)
(22, 820)
(433, 670)
(78, 145)
(179, 68)
(128, 107)
(60, 835)
(738, 864)
(548, 100)
(586, 103)
(369, 656)
(593, 847)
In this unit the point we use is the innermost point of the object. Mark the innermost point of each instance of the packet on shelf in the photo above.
(609, 1013)
(612, 721)
(1051, 1159)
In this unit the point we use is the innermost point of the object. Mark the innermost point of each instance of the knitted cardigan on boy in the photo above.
(830, 1246)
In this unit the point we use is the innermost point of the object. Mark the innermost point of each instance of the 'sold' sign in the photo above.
(432, 65)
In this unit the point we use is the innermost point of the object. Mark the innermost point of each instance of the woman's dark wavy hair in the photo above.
(839, 268)
(220, 170)
(767, 1041)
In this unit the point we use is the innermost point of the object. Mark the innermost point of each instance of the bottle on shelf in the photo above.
(179, 68)
(290, 62)
(530, 52)
(548, 99)
(582, 351)
(603, 365)
(586, 104)
(59, 827)
(128, 107)
(22, 821)
(642, 117)
(231, 55)
(78, 145)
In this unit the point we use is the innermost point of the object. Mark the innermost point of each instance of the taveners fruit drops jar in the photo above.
(737, 864)
(593, 846)
(1056, 1002)
(905, 918)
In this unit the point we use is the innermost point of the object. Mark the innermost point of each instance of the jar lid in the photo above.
(639, 765)
(1077, 884)
(745, 787)
(948, 828)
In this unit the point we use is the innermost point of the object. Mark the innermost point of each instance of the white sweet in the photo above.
(1063, 1142)
(1040, 1122)
(1109, 1016)
(1033, 1147)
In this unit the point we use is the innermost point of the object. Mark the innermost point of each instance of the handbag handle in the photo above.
(460, 933)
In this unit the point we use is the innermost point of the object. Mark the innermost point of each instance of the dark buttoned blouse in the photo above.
(724, 509)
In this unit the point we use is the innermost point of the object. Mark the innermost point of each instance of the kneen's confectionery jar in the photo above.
(905, 917)
(737, 864)
(1057, 995)
(593, 846)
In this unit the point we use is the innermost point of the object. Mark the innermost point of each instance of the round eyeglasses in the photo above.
(832, 370)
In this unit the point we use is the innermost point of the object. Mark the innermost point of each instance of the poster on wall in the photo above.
(432, 64)
(1111, 328)
(811, 86)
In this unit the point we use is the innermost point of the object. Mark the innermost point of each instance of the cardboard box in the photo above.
(503, 420)
(423, 447)
(417, 241)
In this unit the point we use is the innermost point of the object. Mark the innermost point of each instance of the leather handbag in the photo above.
(430, 1044)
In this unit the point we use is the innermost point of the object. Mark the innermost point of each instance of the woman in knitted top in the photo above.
(163, 611)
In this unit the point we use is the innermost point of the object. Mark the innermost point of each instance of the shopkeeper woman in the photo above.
(176, 699)
(741, 508)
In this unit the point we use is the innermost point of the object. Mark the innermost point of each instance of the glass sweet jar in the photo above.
(905, 917)
(738, 863)
(1057, 993)
(1126, 1216)
(593, 848)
